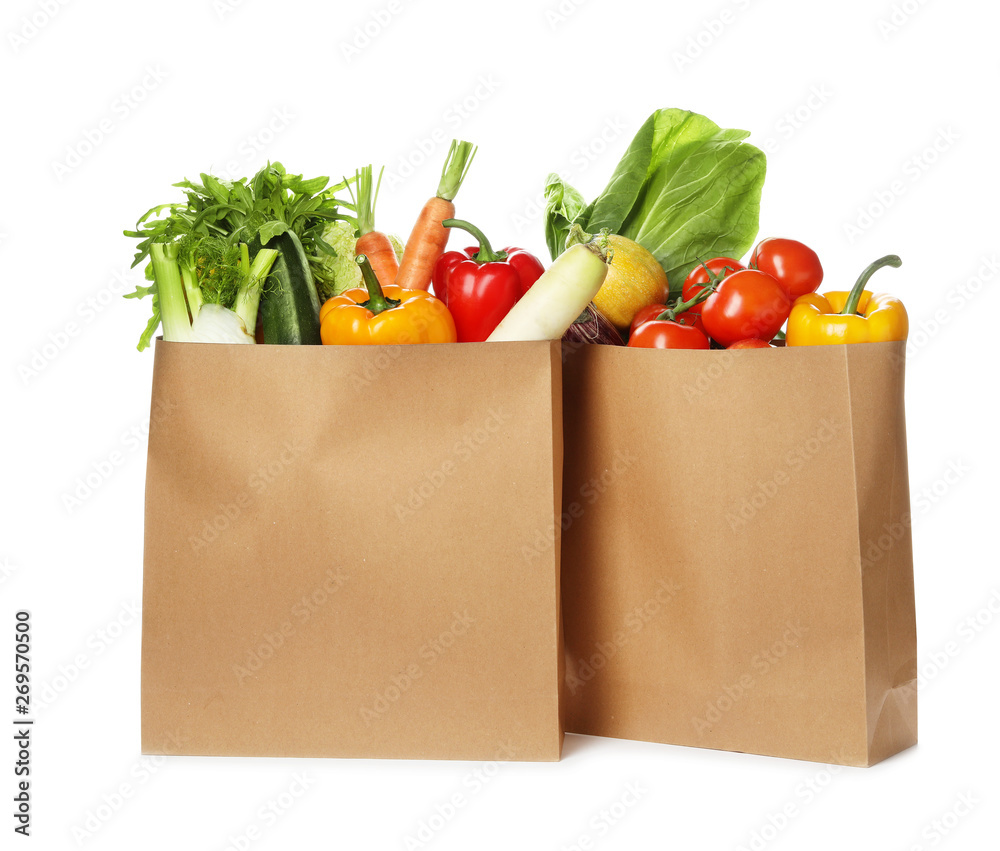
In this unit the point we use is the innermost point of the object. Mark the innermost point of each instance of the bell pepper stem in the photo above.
(485, 254)
(855, 296)
(377, 302)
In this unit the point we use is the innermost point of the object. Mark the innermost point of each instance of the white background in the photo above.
(848, 99)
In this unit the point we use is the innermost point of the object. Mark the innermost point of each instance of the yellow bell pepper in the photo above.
(384, 315)
(848, 317)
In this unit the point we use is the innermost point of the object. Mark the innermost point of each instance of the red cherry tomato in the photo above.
(665, 334)
(792, 264)
(752, 343)
(746, 304)
(654, 310)
(698, 277)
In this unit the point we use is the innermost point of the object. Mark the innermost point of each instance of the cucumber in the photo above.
(289, 304)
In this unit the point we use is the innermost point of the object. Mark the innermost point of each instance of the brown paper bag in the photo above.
(737, 567)
(335, 552)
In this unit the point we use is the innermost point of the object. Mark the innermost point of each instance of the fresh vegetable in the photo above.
(559, 296)
(849, 317)
(592, 326)
(206, 290)
(529, 267)
(170, 306)
(751, 343)
(791, 263)
(746, 304)
(373, 244)
(337, 269)
(661, 327)
(634, 280)
(217, 324)
(219, 215)
(564, 207)
(384, 315)
(654, 311)
(667, 334)
(290, 306)
(684, 189)
(481, 285)
(429, 238)
(705, 273)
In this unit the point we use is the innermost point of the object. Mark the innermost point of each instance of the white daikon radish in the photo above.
(558, 297)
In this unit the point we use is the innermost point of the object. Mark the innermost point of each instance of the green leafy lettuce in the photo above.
(686, 190)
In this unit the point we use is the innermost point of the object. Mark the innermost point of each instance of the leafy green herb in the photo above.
(221, 221)
(686, 190)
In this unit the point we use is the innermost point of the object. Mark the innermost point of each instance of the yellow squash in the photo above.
(635, 280)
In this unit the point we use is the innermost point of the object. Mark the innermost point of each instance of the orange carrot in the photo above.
(429, 238)
(426, 244)
(374, 244)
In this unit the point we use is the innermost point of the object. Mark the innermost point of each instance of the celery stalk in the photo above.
(191, 289)
(248, 297)
(170, 293)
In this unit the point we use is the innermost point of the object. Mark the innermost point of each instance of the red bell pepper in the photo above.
(528, 266)
(481, 285)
